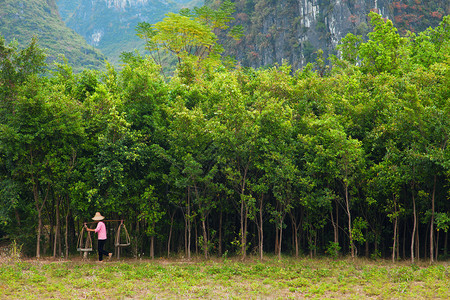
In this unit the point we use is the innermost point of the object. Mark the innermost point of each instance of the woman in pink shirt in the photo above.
(101, 231)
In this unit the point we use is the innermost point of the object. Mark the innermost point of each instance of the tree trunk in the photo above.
(152, 247)
(294, 233)
(432, 220)
(196, 238)
(244, 214)
(185, 235)
(38, 243)
(170, 233)
(39, 210)
(243, 233)
(347, 203)
(395, 230)
(281, 238)
(205, 238)
(188, 217)
(425, 251)
(414, 224)
(260, 228)
(220, 233)
(66, 234)
(315, 245)
(335, 227)
(57, 230)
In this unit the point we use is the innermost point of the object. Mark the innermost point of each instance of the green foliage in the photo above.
(333, 249)
(235, 159)
(191, 33)
(442, 221)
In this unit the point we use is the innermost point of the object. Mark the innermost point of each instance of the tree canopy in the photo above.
(347, 159)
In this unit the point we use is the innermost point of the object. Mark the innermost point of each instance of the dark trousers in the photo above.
(101, 252)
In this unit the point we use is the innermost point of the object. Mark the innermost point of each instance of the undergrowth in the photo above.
(288, 278)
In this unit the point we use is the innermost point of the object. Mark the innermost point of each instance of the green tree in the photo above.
(191, 34)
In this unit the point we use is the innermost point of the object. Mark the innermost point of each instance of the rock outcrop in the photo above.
(294, 30)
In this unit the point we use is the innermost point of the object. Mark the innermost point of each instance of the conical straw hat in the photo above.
(98, 217)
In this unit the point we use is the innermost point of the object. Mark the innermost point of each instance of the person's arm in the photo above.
(87, 228)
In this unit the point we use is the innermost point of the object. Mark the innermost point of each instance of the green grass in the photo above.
(223, 279)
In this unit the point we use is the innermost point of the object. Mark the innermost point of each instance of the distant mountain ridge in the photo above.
(20, 20)
(122, 4)
(110, 25)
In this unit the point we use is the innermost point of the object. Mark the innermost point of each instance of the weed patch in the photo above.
(272, 278)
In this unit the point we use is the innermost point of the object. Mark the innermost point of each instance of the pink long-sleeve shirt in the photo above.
(101, 231)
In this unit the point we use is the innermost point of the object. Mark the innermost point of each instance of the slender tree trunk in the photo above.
(335, 228)
(414, 224)
(243, 229)
(170, 233)
(66, 234)
(425, 251)
(220, 233)
(395, 230)
(347, 203)
(152, 247)
(295, 233)
(260, 228)
(244, 214)
(38, 244)
(398, 239)
(315, 245)
(281, 238)
(57, 230)
(196, 237)
(205, 238)
(188, 250)
(293, 236)
(432, 221)
(39, 210)
(245, 232)
(185, 235)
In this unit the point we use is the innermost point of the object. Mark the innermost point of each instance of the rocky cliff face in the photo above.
(275, 30)
(294, 30)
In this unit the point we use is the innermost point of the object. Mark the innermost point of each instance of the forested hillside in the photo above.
(219, 159)
(110, 25)
(295, 30)
(24, 19)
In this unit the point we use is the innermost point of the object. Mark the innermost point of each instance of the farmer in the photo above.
(101, 231)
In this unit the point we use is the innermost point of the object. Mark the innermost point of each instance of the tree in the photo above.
(189, 34)
(337, 155)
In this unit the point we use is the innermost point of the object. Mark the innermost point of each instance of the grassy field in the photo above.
(223, 279)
